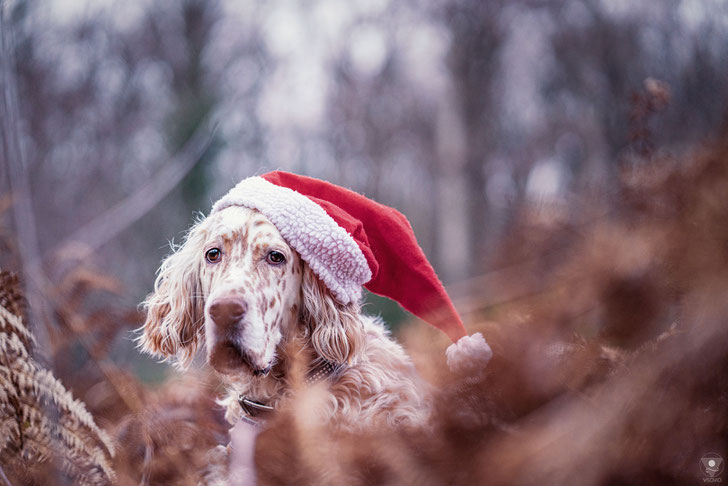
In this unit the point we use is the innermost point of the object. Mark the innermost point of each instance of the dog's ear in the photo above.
(336, 330)
(175, 308)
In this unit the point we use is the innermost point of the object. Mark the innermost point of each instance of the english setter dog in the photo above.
(236, 287)
(273, 276)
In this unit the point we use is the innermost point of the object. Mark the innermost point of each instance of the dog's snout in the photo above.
(228, 312)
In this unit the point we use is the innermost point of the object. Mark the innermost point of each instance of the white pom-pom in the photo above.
(470, 354)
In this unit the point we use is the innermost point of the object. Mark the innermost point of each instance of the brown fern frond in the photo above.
(11, 298)
(41, 425)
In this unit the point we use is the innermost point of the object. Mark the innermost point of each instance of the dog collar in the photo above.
(252, 409)
(254, 412)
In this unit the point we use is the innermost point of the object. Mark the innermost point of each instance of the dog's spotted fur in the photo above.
(289, 311)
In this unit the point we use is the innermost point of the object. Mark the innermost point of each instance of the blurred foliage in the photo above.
(46, 433)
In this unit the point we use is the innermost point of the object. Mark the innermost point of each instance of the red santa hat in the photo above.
(350, 241)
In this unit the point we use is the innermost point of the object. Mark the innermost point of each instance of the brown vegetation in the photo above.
(40, 421)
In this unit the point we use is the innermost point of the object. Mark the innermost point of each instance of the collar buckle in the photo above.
(251, 407)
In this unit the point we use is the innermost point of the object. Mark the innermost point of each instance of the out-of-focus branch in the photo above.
(17, 167)
(110, 223)
(6, 481)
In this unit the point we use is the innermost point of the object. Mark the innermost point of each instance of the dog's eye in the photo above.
(275, 258)
(213, 255)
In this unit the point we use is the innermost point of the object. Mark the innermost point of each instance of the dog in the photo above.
(238, 289)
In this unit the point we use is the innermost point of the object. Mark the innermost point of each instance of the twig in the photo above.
(6, 481)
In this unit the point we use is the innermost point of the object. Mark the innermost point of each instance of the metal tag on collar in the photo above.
(320, 373)
(250, 407)
(250, 421)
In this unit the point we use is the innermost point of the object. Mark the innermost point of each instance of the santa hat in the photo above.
(350, 241)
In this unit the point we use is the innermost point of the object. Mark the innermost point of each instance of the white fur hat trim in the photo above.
(469, 354)
(328, 249)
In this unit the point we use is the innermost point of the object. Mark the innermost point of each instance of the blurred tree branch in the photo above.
(115, 220)
(5, 479)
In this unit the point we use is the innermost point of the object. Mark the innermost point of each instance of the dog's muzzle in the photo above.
(225, 352)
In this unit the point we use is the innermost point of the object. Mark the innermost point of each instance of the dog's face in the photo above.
(251, 282)
(236, 285)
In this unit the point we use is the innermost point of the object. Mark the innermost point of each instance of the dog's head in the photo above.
(236, 285)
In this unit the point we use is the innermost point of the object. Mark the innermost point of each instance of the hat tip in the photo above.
(470, 354)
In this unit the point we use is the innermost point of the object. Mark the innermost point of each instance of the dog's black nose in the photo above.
(227, 312)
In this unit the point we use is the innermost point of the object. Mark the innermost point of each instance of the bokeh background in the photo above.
(458, 113)
(127, 119)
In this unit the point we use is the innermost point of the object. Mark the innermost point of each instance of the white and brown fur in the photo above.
(287, 311)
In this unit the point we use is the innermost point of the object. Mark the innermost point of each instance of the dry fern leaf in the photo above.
(40, 421)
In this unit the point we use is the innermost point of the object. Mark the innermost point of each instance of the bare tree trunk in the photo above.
(473, 61)
(15, 162)
(452, 213)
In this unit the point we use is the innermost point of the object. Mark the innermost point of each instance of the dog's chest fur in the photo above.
(380, 387)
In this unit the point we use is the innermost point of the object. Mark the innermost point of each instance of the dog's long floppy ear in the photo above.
(335, 329)
(175, 308)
